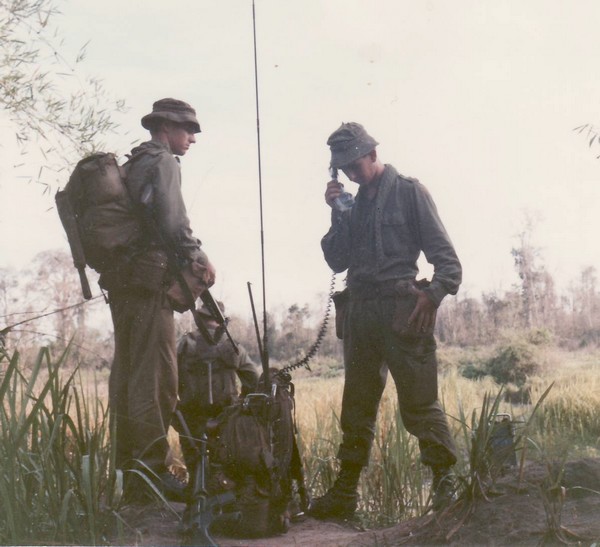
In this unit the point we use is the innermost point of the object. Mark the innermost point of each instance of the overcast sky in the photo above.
(477, 99)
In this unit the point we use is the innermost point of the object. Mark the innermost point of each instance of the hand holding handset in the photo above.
(345, 200)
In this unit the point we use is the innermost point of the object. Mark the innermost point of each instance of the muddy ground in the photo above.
(514, 513)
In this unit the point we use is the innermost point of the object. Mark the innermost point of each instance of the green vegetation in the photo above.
(498, 354)
(57, 483)
(561, 422)
(56, 480)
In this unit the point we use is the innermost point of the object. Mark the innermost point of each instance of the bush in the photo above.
(472, 371)
(540, 337)
(513, 364)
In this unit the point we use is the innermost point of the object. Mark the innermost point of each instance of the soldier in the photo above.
(143, 378)
(208, 378)
(388, 319)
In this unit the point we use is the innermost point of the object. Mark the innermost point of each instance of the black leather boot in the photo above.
(341, 499)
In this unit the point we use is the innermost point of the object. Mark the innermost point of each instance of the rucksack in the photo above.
(97, 212)
(252, 446)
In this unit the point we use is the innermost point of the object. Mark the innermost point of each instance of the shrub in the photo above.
(510, 363)
(513, 363)
(540, 337)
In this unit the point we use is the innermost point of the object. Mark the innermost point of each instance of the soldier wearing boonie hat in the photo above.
(173, 110)
(143, 381)
(385, 316)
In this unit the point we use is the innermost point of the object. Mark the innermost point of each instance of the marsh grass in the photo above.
(56, 479)
(395, 486)
(58, 484)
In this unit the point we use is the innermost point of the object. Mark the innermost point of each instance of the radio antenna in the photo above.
(265, 351)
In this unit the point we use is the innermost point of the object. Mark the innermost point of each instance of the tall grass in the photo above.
(395, 486)
(56, 480)
(58, 485)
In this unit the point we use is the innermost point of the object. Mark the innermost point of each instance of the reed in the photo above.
(395, 486)
(56, 480)
(58, 484)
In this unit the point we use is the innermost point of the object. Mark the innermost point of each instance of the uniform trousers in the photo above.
(143, 378)
(371, 349)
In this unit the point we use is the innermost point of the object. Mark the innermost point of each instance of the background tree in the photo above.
(52, 287)
(538, 299)
(585, 308)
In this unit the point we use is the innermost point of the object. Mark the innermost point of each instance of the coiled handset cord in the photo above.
(320, 335)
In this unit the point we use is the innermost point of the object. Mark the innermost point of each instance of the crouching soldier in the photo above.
(211, 378)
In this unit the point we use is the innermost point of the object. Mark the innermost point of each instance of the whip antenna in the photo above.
(265, 352)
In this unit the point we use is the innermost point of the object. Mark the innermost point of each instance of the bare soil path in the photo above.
(513, 514)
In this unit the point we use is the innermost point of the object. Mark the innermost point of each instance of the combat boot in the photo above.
(341, 499)
(443, 487)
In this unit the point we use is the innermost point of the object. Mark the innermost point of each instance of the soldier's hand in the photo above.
(333, 191)
(210, 275)
(422, 319)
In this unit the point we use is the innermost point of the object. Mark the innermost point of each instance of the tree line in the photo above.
(42, 305)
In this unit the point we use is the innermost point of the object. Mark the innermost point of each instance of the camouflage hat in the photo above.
(205, 312)
(349, 142)
(172, 110)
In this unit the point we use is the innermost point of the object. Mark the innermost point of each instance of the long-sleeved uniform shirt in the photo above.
(380, 240)
(157, 166)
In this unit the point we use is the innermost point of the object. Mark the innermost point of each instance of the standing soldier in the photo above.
(143, 378)
(389, 317)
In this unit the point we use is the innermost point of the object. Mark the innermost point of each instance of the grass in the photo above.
(58, 484)
(563, 417)
(56, 479)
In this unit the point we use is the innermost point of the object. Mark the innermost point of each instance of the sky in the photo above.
(477, 99)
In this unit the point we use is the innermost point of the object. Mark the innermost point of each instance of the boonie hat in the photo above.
(349, 142)
(173, 110)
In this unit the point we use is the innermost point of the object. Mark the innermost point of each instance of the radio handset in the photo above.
(345, 200)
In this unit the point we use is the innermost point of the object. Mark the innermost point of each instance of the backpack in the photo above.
(196, 385)
(253, 447)
(97, 212)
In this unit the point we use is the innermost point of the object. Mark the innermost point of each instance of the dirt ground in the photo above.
(513, 514)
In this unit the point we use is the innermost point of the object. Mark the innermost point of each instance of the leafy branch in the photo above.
(591, 133)
(55, 110)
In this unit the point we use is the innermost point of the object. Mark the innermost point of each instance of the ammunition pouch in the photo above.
(149, 270)
(340, 301)
(406, 300)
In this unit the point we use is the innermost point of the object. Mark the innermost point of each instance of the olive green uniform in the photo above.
(143, 379)
(208, 382)
(379, 241)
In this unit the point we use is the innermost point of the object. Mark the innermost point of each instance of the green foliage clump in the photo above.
(540, 337)
(512, 363)
(56, 480)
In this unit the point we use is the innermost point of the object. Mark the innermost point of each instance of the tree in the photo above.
(53, 107)
(53, 287)
(538, 298)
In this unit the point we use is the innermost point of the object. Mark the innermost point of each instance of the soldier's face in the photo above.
(363, 170)
(180, 136)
